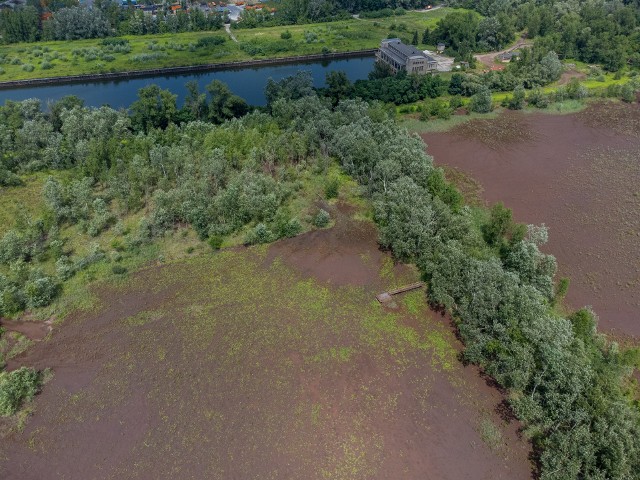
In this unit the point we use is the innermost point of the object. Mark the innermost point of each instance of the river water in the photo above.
(248, 83)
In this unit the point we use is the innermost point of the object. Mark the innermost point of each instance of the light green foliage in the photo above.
(16, 387)
(321, 219)
(481, 102)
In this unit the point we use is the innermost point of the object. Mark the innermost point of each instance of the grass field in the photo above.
(57, 59)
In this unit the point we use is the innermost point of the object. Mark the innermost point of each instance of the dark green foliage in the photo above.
(499, 224)
(40, 290)
(517, 100)
(286, 35)
(332, 188)
(321, 219)
(16, 387)
(399, 89)
(215, 241)
(118, 269)
(338, 86)
(21, 24)
(481, 102)
(209, 42)
(156, 108)
(290, 88)
(440, 188)
(561, 290)
(259, 234)
(224, 105)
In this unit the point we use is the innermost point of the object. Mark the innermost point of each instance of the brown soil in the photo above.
(569, 75)
(33, 330)
(489, 59)
(578, 174)
(212, 368)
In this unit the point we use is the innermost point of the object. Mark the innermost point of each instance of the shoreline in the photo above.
(93, 77)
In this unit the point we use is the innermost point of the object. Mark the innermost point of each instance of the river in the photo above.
(246, 82)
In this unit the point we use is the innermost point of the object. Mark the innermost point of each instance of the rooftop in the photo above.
(406, 50)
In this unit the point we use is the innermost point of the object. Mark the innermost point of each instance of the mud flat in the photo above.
(269, 363)
(580, 175)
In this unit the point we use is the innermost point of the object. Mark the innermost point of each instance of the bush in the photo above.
(290, 228)
(40, 291)
(65, 268)
(332, 188)
(627, 94)
(286, 35)
(27, 67)
(208, 42)
(46, 65)
(455, 102)
(215, 242)
(16, 387)
(114, 41)
(481, 102)
(118, 270)
(321, 219)
(148, 57)
(259, 234)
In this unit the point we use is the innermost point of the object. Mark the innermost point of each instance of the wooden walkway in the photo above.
(386, 297)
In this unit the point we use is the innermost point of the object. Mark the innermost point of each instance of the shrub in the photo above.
(332, 187)
(627, 94)
(481, 101)
(11, 299)
(321, 219)
(16, 387)
(118, 269)
(215, 242)
(40, 291)
(455, 102)
(27, 67)
(310, 37)
(46, 65)
(114, 41)
(208, 42)
(259, 234)
(65, 268)
(148, 57)
(290, 228)
(286, 35)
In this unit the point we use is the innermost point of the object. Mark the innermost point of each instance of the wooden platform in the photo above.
(386, 297)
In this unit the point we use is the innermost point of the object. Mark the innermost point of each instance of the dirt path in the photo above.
(578, 174)
(489, 59)
(227, 28)
(264, 364)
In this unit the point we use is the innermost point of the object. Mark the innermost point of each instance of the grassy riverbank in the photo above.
(59, 59)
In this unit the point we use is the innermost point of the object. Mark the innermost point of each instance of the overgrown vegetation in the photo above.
(239, 180)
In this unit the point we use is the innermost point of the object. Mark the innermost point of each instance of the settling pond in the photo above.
(247, 82)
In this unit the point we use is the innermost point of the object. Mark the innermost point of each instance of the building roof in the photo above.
(406, 51)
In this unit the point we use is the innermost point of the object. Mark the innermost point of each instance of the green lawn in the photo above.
(58, 59)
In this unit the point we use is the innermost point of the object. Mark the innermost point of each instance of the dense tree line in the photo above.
(599, 31)
(291, 12)
(106, 18)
